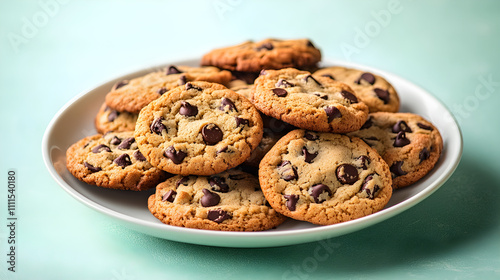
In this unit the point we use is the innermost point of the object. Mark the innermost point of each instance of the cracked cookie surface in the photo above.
(375, 91)
(266, 54)
(198, 129)
(131, 96)
(409, 144)
(324, 178)
(230, 201)
(112, 161)
(318, 104)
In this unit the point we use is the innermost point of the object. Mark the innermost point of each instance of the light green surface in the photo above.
(50, 51)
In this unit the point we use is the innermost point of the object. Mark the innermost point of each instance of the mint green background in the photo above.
(446, 47)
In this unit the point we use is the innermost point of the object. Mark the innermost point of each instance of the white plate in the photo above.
(76, 120)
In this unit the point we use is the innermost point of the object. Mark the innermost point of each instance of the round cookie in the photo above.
(108, 119)
(266, 54)
(229, 201)
(318, 104)
(324, 178)
(376, 92)
(200, 128)
(112, 161)
(409, 144)
(131, 96)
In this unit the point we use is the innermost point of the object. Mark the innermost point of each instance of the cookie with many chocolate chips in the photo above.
(108, 120)
(298, 98)
(198, 129)
(229, 201)
(131, 96)
(324, 178)
(112, 161)
(266, 54)
(375, 91)
(409, 144)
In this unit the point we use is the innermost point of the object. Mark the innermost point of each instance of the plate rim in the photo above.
(274, 238)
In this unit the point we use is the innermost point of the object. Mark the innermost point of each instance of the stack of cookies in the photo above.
(255, 134)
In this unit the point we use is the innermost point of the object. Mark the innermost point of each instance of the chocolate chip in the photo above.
(139, 156)
(126, 143)
(173, 70)
(218, 184)
(209, 198)
(400, 126)
(332, 112)
(287, 171)
(115, 140)
(311, 78)
(120, 84)
(223, 150)
(190, 86)
(364, 187)
(182, 181)
(291, 201)
(349, 96)
(212, 134)
(367, 124)
(182, 80)
(308, 157)
(169, 196)
(92, 168)
(240, 121)
(325, 97)
(367, 77)
(123, 160)
(401, 140)
(347, 174)
(424, 154)
(423, 126)
(227, 102)
(365, 161)
(382, 95)
(310, 136)
(396, 169)
(310, 44)
(218, 215)
(187, 109)
(280, 92)
(175, 156)
(317, 192)
(113, 115)
(157, 126)
(328, 76)
(161, 90)
(284, 83)
(268, 46)
(99, 148)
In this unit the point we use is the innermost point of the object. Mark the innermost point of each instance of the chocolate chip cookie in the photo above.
(230, 201)
(298, 98)
(131, 96)
(200, 128)
(112, 161)
(324, 178)
(266, 54)
(375, 91)
(409, 144)
(108, 120)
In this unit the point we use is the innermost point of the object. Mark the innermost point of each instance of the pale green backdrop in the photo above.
(51, 50)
